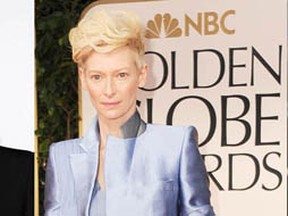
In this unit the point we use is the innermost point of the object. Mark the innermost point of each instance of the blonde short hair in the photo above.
(104, 31)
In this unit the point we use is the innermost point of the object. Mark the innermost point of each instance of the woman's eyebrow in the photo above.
(123, 68)
(93, 71)
(115, 70)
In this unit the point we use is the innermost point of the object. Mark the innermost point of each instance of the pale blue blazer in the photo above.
(159, 173)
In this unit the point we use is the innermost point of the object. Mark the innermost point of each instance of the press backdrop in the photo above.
(222, 66)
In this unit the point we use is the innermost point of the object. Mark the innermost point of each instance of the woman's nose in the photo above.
(109, 89)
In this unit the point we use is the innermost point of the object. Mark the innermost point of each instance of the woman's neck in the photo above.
(110, 128)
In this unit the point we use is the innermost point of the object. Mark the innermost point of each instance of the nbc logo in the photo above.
(171, 29)
(204, 23)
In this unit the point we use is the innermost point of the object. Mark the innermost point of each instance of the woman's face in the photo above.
(112, 80)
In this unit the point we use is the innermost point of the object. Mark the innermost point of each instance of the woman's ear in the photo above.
(143, 76)
(81, 74)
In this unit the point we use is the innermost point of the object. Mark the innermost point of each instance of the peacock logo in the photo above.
(163, 22)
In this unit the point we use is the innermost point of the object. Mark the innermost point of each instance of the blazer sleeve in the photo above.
(194, 187)
(52, 189)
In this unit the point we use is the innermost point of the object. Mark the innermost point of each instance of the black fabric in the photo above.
(134, 127)
(16, 182)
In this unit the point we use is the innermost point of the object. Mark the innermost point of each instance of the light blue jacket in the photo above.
(159, 173)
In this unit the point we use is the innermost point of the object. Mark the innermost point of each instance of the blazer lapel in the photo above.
(84, 167)
(118, 162)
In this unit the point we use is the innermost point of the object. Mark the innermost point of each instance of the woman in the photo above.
(122, 166)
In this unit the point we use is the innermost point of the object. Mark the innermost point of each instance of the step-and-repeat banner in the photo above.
(17, 74)
(222, 66)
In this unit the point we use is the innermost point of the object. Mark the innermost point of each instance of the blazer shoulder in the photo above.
(66, 146)
(166, 134)
(15, 153)
(172, 130)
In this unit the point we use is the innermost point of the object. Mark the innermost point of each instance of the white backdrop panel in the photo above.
(17, 74)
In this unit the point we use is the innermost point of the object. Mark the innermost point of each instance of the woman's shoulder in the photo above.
(170, 128)
(66, 146)
(166, 139)
(169, 132)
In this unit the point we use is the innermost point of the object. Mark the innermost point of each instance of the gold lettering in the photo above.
(222, 22)
(197, 26)
(211, 26)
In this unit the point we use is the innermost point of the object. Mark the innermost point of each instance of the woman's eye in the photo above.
(96, 77)
(122, 75)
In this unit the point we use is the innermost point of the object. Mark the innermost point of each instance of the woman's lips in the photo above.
(111, 104)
